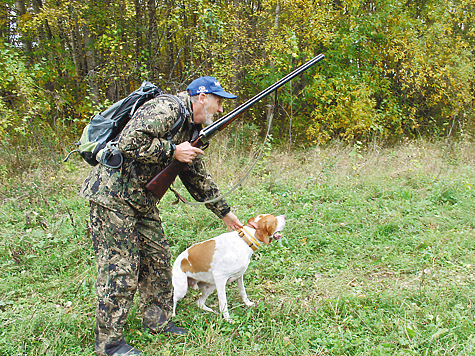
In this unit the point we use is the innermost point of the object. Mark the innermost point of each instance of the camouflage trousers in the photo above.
(131, 253)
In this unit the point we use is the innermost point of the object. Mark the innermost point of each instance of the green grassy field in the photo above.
(377, 259)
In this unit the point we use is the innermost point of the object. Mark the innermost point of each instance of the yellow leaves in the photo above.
(25, 18)
(53, 15)
(386, 69)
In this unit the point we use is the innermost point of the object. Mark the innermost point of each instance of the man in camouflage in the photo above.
(131, 249)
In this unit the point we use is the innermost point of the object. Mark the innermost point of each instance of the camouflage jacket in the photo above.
(146, 152)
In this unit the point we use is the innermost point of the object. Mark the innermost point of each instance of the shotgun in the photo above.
(163, 180)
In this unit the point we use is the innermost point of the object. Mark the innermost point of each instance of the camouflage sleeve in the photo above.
(202, 187)
(142, 138)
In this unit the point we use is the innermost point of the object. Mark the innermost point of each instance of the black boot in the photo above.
(127, 350)
(121, 349)
(167, 328)
(171, 328)
(155, 320)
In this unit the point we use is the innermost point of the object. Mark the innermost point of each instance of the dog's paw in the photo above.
(205, 308)
(248, 303)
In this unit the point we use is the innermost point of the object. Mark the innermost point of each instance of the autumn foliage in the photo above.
(392, 69)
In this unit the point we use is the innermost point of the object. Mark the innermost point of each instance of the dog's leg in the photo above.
(242, 291)
(206, 290)
(223, 302)
(180, 287)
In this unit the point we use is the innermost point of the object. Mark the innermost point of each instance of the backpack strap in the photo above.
(182, 114)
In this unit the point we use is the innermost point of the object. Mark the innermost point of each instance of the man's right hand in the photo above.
(185, 152)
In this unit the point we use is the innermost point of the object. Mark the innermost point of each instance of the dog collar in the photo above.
(251, 241)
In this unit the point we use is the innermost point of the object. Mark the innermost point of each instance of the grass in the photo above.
(378, 255)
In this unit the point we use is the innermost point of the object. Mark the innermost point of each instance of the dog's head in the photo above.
(267, 226)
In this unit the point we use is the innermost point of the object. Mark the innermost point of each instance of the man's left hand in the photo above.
(232, 222)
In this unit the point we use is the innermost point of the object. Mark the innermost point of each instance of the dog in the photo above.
(223, 259)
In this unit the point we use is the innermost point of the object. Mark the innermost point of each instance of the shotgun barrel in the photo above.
(220, 124)
(163, 180)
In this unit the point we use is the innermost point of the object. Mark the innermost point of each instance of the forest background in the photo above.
(393, 69)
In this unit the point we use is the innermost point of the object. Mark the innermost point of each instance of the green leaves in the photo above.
(391, 70)
(21, 100)
(391, 73)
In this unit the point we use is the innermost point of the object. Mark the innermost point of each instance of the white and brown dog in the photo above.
(223, 259)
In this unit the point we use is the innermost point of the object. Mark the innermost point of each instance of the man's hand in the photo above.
(232, 222)
(185, 152)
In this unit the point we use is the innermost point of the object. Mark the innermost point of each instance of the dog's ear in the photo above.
(265, 228)
(252, 223)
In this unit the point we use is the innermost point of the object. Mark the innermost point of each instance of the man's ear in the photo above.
(202, 97)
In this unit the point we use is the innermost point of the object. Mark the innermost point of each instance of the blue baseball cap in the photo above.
(208, 85)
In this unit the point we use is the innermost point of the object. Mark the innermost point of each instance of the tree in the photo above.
(391, 69)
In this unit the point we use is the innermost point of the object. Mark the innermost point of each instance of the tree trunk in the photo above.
(152, 38)
(277, 15)
(138, 31)
(74, 42)
(25, 41)
(236, 51)
(41, 33)
(91, 65)
(4, 23)
(187, 43)
(272, 100)
(168, 37)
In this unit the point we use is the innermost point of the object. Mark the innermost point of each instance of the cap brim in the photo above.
(224, 94)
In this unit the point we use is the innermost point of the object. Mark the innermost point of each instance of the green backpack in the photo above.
(98, 143)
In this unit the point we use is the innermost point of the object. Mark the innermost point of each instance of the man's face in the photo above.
(212, 104)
